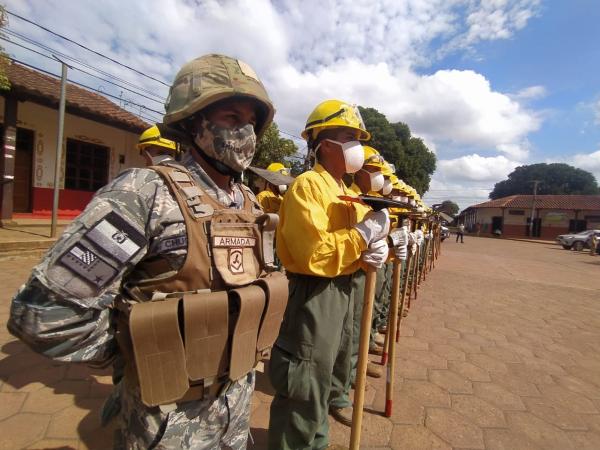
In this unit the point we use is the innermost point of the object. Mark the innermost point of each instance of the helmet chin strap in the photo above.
(218, 165)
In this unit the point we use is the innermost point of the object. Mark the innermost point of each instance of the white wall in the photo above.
(44, 121)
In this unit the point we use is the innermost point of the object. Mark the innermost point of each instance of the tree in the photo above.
(273, 148)
(4, 59)
(555, 178)
(449, 207)
(413, 161)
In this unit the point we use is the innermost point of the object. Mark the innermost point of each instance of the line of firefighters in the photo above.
(415, 236)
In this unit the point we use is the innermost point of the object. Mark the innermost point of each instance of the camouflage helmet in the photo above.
(211, 78)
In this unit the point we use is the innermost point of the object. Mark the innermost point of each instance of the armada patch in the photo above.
(117, 237)
(233, 241)
(236, 260)
(89, 265)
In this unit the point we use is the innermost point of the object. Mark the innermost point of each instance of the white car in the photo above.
(577, 241)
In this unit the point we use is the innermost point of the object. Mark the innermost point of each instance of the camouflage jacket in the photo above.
(63, 311)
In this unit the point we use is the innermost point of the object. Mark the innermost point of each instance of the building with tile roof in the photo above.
(99, 141)
(552, 215)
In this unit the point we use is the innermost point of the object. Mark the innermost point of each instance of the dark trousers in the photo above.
(461, 237)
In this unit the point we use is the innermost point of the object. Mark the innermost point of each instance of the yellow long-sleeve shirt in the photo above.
(315, 235)
(269, 201)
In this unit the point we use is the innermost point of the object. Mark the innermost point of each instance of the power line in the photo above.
(83, 71)
(86, 48)
(87, 87)
(79, 61)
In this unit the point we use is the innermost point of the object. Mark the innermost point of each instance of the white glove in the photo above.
(376, 254)
(375, 226)
(412, 239)
(401, 252)
(399, 237)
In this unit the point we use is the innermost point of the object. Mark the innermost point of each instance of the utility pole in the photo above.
(535, 185)
(59, 139)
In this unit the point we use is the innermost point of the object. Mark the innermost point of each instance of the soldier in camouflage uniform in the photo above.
(66, 309)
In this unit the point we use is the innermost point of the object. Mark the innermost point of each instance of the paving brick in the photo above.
(540, 432)
(568, 399)
(579, 386)
(454, 428)
(448, 352)
(32, 380)
(411, 370)
(555, 414)
(469, 370)
(529, 373)
(516, 385)
(22, 430)
(57, 444)
(428, 394)
(498, 439)
(49, 400)
(585, 440)
(499, 396)
(413, 437)
(478, 411)
(85, 414)
(426, 359)
(487, 362)
(451, 381)
(413, 343)
(502, 354)
(11, 403)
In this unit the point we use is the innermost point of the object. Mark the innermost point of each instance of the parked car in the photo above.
(577, 241)
(445, 233)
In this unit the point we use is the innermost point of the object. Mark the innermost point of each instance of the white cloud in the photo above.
(596, 111)
(530, 93)
(362, 51)
(476, 168)
(588, 161)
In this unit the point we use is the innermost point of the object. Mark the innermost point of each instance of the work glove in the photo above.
(377, 253)
(399, 239)
(375, 226)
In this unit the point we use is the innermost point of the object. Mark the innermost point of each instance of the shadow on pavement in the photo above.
(69, 392)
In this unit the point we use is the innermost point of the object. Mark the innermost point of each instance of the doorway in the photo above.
(23, 171)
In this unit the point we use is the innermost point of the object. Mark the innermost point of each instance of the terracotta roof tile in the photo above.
(589, 202)
(32, 82)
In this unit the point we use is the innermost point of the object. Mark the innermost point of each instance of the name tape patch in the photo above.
(233, 241)
(113, 234)
(89, 265)
(173, 243)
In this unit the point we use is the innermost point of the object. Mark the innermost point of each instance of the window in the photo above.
(86, 166)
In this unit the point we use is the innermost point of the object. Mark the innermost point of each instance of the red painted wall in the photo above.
(70, 202)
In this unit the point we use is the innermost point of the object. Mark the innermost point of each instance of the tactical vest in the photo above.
(185, 334)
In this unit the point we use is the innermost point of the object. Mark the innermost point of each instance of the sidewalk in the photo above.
(29, 235)
(498, 353)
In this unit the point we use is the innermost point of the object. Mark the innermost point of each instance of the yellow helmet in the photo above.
(278, 167)
(334, 113)
(152, 137)
(373, 158)
(386, 169)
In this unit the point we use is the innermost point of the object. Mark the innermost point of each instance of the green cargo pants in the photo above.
(315, 337)
(382, 297)
(342, 381)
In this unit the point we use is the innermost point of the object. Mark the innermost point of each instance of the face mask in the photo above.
(376, 180)
(354, 154)
(387, 187)
(234, 147)
(282, 188)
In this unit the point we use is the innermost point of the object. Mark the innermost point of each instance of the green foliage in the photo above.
(273, 148)
(4, 59)
(449, 207)
(413, 161)
(555, 178)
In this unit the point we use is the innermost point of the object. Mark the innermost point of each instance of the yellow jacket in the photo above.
(315, 235)
(269, 201)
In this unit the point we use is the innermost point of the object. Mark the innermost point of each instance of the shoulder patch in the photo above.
(117, 237)
(87, 264)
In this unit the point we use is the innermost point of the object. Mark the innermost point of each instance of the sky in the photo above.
(489, 85)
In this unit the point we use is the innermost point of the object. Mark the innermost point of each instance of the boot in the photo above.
(342, 415)
(374, 370)
(375, 349)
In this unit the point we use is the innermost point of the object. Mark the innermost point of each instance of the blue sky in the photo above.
(488, 84)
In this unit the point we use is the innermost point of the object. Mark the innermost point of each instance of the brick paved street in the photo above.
(500, 351)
